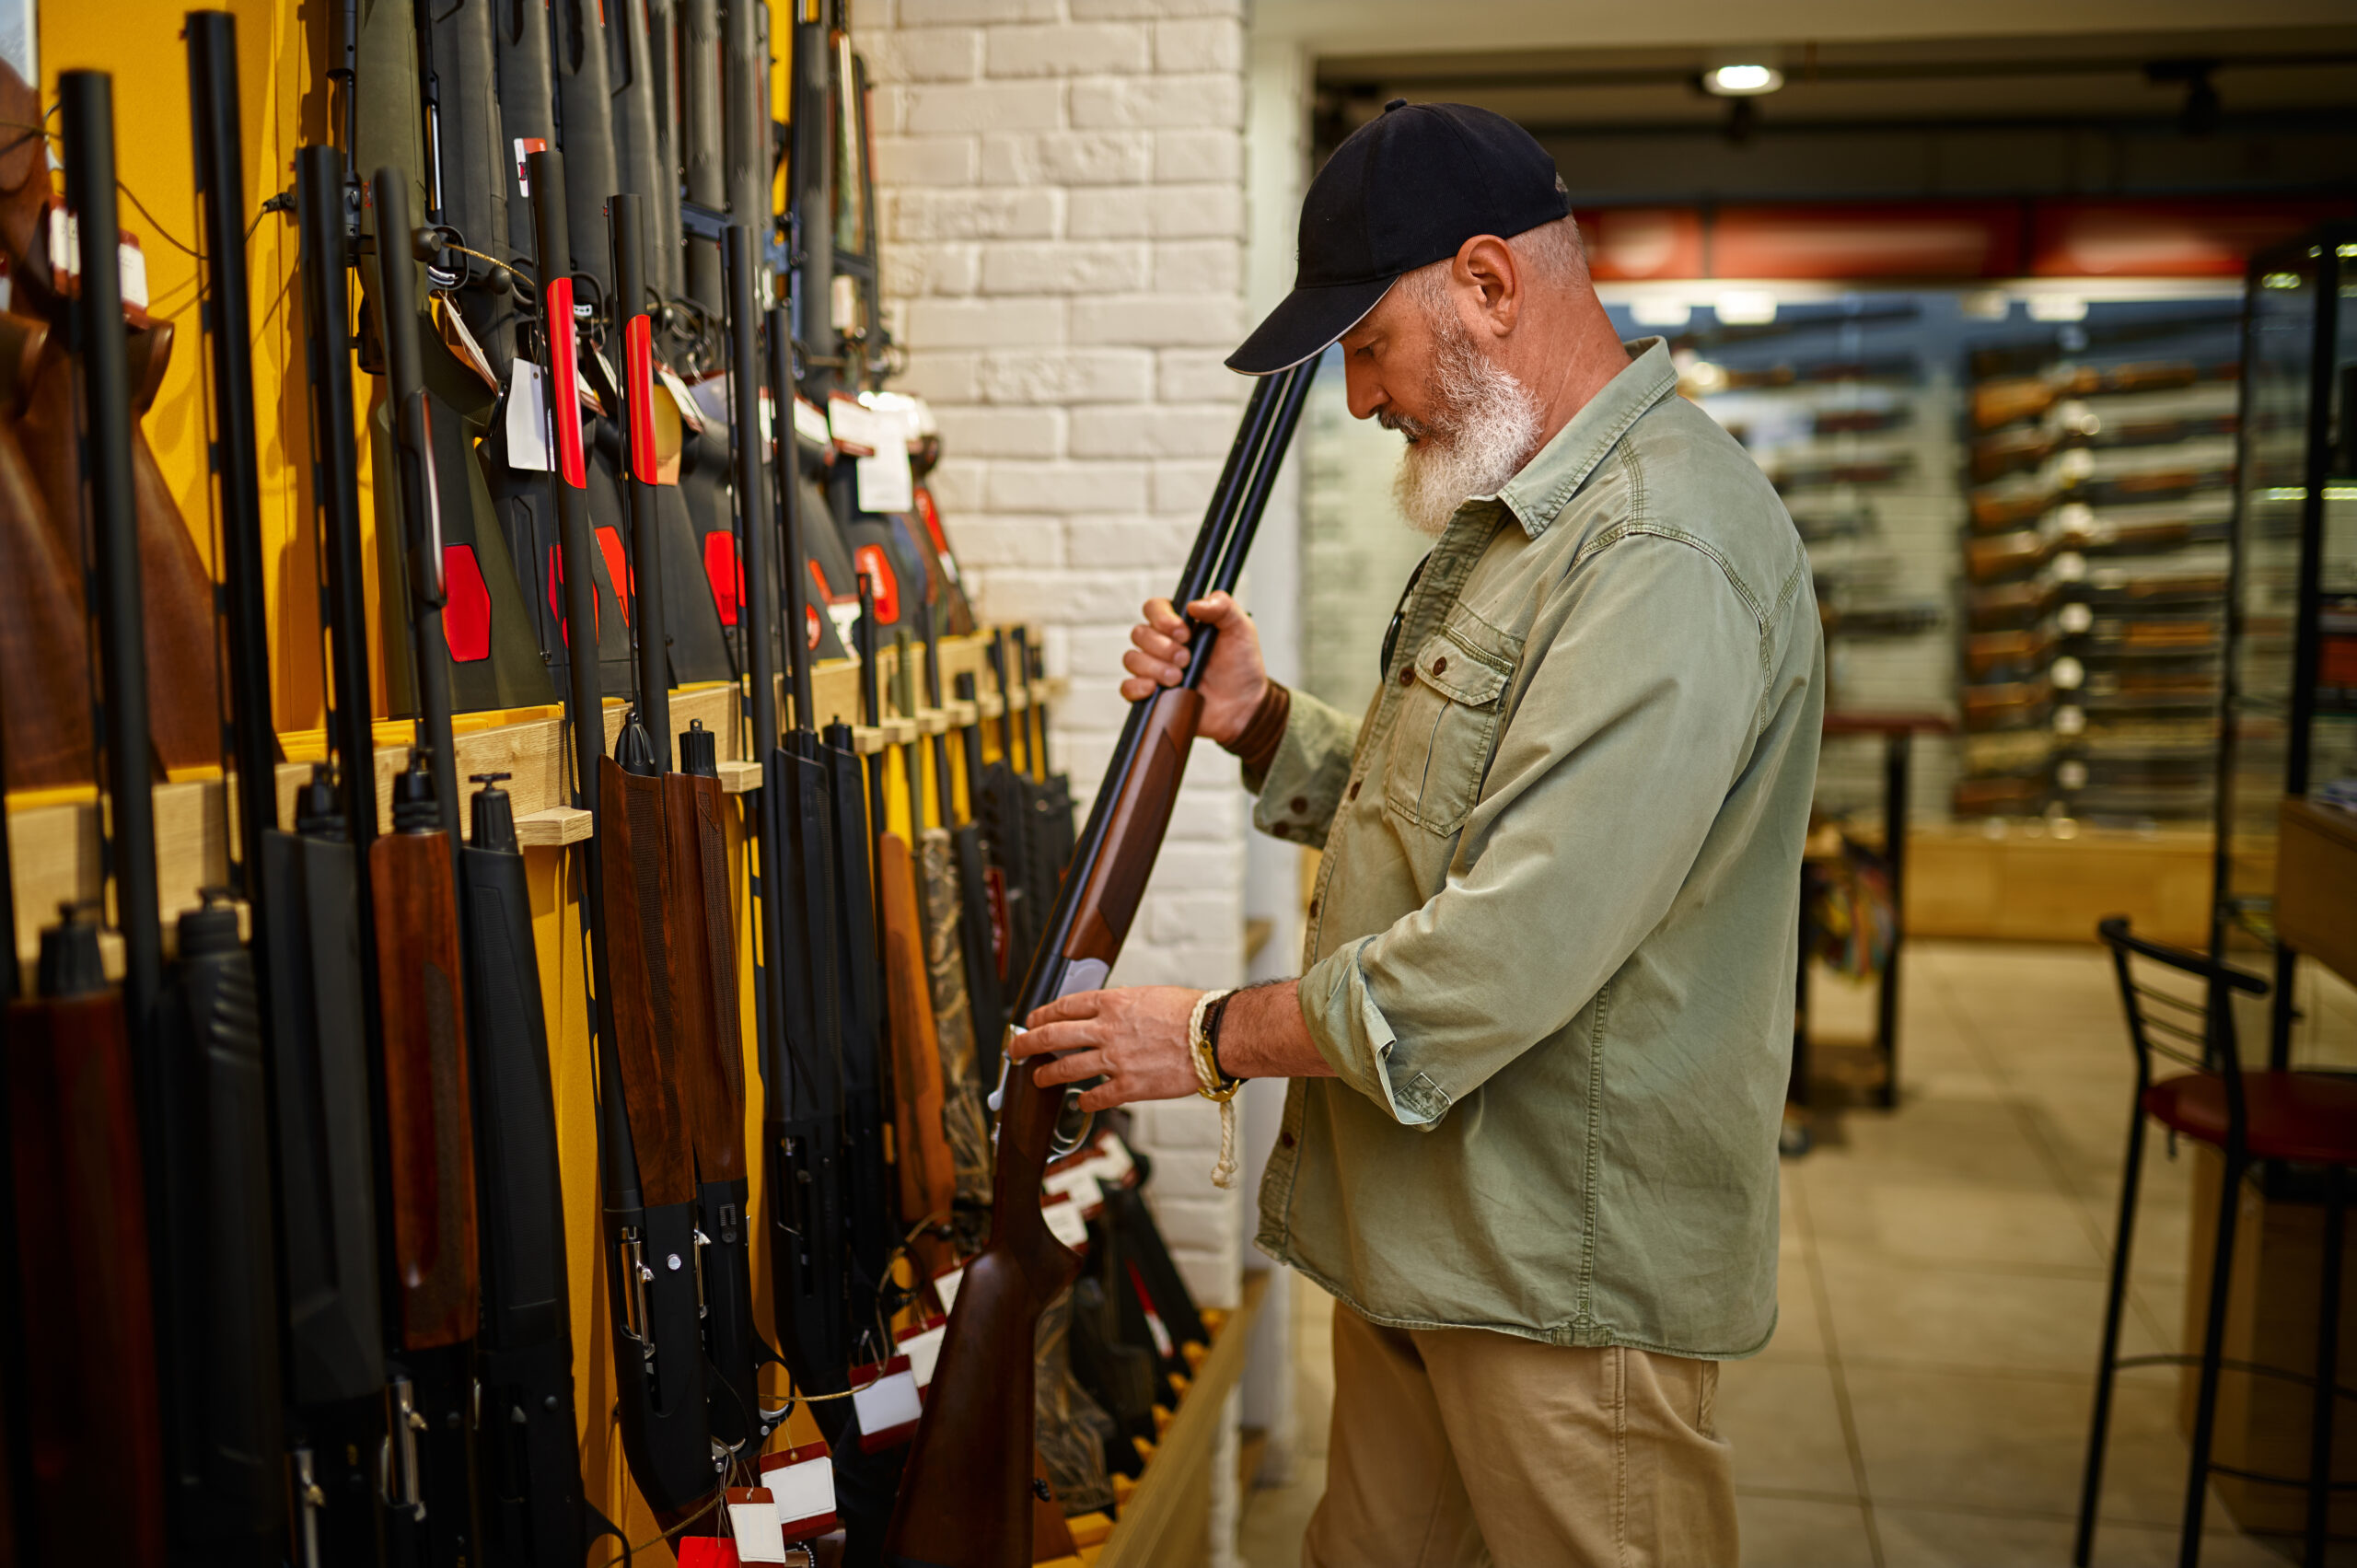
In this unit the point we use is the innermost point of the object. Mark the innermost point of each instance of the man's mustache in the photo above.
(1417, 431)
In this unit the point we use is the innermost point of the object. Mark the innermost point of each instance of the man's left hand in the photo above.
(1135, 1037)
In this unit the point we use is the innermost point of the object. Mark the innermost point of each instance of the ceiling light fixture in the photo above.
(1742, 81)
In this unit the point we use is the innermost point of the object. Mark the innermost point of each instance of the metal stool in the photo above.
(2302, 1118)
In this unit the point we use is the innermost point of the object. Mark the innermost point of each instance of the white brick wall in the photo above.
(1060, 191)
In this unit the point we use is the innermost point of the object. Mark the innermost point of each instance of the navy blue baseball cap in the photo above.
(1405, 189)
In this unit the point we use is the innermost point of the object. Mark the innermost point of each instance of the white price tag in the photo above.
(133, 263)
(884, 1399)
(886, 483)
(1078, 1183)
(922, 1347)
(681, 396)
(810, 423)
(1066, 1224)
(528, 434)
(753, 1520)
(946, 1285)
(857, 427)
(802, 1482)
(1111, 1164)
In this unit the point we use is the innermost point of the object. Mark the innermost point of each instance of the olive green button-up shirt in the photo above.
(1551, 951)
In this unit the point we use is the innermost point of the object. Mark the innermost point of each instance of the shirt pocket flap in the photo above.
(1459, 673)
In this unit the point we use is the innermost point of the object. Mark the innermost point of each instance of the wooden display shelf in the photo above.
(2315, 884)
(53, 834)
(1963, 881)
(1164, 1524)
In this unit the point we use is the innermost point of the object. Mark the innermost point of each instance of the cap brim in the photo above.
(1304, 323)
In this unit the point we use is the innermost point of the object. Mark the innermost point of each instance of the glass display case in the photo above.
(2289, 725)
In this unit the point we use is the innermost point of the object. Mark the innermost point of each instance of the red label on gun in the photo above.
(564, 386)
(638, 364)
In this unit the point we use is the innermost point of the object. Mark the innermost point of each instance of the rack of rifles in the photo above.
(284, 1274)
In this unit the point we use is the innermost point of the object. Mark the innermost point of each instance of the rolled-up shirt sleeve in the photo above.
(1643, 700)
(1306, 778)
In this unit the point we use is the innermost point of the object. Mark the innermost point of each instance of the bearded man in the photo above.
(1539, 1053)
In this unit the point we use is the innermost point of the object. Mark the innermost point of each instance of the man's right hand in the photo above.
(1233, 683)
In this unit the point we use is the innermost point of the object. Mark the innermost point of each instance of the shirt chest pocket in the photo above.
(1443, 733)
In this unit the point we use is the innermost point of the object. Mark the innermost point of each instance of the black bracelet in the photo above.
(1212, 1018)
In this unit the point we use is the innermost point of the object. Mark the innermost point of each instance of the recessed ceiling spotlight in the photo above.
(1742, 81)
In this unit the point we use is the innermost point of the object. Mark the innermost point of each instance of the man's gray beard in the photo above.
(1484, 427)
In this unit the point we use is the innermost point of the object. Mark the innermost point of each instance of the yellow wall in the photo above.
(139, 41)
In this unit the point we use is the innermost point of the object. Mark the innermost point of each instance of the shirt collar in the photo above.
(1549, 480)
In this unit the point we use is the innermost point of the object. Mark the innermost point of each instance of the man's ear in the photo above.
(1486, 263)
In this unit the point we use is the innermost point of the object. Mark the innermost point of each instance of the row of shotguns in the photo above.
(286, 1277)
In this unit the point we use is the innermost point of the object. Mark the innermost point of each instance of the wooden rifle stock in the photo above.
(964, 1500)
(645, 967)
(89, 1398)
(702, 922)
(414, 886)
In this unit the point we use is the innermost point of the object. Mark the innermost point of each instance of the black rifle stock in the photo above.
(532, 1505)
(800, 1047)
(965, 1498)
(322, 974)
(983, 989)
(224, 1456)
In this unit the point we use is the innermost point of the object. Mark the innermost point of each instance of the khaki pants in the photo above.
(1461, 1447)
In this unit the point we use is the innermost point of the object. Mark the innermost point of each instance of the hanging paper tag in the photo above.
(887, 484)
(809, 422)
(1078, 1183)
(1110, 1162)
(857, 428)
(802, 1480)
(885, 1399)
(944, 1286)
(706, 1552)
(922, 1347)
(452, 327)
(65, 257)
(752, 1519)
(527, 419)
(1065, 1222)
(680, 395)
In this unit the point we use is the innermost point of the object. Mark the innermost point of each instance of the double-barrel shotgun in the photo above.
(965, 1497)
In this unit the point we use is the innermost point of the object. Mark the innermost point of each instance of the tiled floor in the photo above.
(1924, 1402)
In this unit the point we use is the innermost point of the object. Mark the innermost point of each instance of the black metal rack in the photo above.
(2286, 729)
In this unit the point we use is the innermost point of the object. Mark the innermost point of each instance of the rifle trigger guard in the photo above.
(1060, 1142)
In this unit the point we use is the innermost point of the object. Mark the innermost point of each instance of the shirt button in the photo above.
(1313, 909)
(1408, 676)
(1440, 665)
(1301, 804)
(1280, 830)
(1354, 789)
(1286, 1139)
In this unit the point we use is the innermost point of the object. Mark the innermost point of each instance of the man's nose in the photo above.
(1366, 394)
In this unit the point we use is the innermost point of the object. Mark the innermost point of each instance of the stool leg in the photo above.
(2214, 1336)
(2090, 1493)
(2327, 1372)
